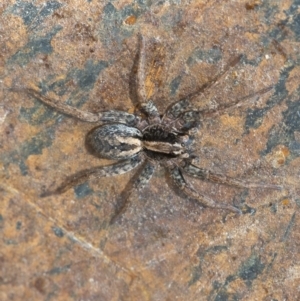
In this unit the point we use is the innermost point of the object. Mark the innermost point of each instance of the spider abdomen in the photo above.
(115, 141)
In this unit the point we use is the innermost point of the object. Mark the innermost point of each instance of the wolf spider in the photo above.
(156, 140)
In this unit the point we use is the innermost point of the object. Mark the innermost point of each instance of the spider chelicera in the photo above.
(155, 140)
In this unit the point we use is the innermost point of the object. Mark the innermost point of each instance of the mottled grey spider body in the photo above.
(155, 140)
(119, 141)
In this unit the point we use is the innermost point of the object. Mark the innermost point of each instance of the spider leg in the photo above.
(184, 103)
(186, 121)
(97, 172)
(181, 183)
(146, 105)
(142, 179)
(207, 175)
(236, 103)
(108, 116)
(192, 118)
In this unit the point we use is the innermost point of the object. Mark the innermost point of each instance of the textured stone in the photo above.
(166, 247)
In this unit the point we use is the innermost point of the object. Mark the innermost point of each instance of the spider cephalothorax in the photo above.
(152, 140)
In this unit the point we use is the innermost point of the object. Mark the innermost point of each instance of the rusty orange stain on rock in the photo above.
(252, 4)
(279, 155)
(130, 20)
(285, 202)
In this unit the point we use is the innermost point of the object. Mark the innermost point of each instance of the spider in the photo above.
(164, 140)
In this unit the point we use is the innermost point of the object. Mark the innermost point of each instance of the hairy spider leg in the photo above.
(191, 119)
(236, 103)
(97, 172)
(180, 182)
(146, 105)
(183, 117)
(180, 106)
(107, 116)
(206, 175)
(141, 180)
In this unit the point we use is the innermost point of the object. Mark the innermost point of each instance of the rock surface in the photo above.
(165, 247)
